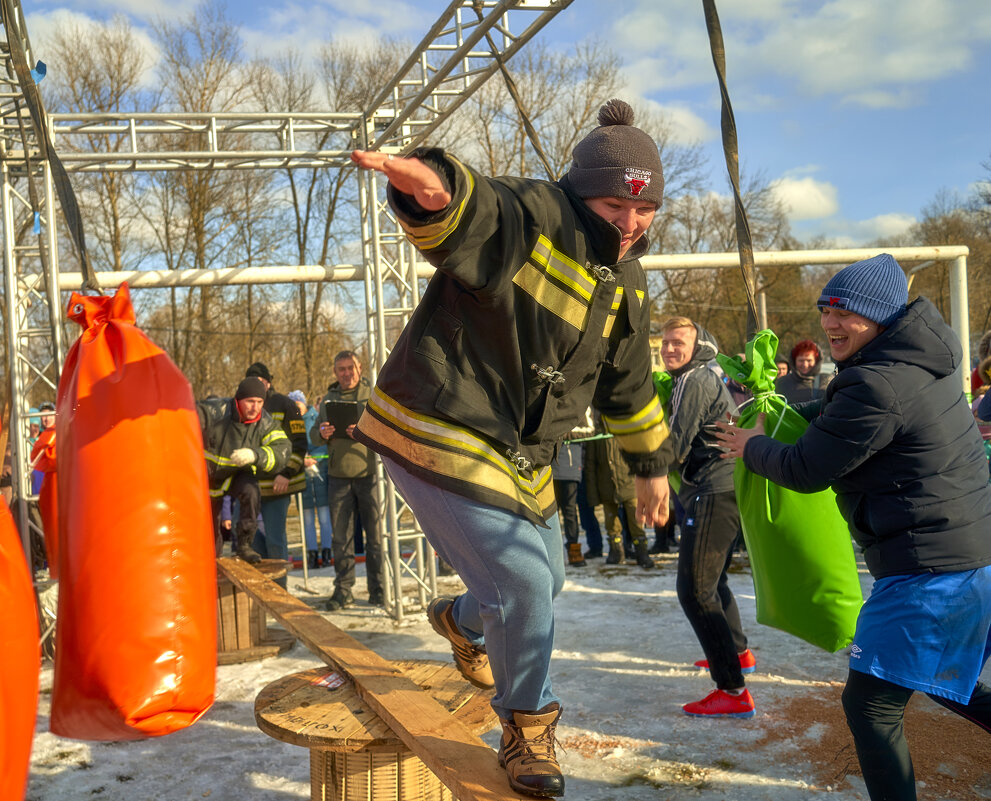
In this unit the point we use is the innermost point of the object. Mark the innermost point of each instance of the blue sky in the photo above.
(859, 111)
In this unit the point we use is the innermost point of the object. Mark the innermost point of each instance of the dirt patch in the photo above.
(952, 757)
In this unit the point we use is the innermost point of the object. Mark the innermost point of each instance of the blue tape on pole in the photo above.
(39, 72)
(37, 222)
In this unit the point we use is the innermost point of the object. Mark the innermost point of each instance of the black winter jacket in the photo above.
(529, 320)
(285, 412)
(798, 388)
(898, 443)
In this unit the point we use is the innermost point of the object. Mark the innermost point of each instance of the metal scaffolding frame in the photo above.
(462, 49)
(440, 74)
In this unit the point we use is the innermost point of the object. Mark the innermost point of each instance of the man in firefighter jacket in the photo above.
(537, 310)
(242, 444)
(277, 490)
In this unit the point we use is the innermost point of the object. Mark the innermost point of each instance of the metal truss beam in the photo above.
(155, 142)
(30, 257)
(462, 49)
(459, 53)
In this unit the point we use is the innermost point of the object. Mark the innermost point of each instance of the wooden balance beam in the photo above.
(462, 761)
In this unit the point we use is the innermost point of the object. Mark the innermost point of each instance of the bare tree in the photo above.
(202, 69)
(102, 66)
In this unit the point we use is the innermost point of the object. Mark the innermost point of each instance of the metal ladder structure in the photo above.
(462, 49)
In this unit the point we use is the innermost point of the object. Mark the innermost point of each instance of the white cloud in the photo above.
(857, 233)
(42, 27)
(873, 53)
(306, 28)
(805, 198)
(686, 127)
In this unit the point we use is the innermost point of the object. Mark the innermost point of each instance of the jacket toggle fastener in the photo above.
(548, 374)
(603, 274)
(519, 460)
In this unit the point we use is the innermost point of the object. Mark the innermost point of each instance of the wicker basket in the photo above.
(379, 775)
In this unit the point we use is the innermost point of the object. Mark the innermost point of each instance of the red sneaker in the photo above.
(721, 704)
(748, 662)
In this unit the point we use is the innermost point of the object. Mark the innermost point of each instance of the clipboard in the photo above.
(341, 414)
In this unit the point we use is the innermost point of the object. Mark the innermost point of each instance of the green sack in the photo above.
(664, 384)
(801, 554)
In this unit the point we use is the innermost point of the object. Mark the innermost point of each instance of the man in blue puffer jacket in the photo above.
(896, 439)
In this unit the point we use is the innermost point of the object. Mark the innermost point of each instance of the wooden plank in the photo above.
(227, 629)
(244, 604)
(444, 744)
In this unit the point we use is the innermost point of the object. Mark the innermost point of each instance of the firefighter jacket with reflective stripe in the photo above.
(529, 320)
(223, 433)
(285, 412)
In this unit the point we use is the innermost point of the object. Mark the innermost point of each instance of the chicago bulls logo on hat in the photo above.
(637, 180)
(833, 302)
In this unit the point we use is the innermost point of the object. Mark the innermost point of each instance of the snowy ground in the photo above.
(622, 667)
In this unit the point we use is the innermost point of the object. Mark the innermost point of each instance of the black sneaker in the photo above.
(339, 600)
(376, 598)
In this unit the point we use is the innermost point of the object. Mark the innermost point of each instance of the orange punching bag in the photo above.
(43, 458)
(136, 632)
(20, 660)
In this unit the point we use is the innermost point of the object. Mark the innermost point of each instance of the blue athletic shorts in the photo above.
(927, 631)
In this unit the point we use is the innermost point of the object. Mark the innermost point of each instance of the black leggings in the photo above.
(875, 713)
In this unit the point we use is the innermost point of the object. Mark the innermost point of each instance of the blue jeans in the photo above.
(311, 517)
(270, 540)
(512, 568)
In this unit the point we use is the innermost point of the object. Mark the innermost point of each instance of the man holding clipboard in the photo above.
(350, 481)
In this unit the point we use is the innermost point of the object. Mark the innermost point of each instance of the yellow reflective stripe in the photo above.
(650, 415)
(269, 463)
(614, 309)
(640, 295)
(552, 297)
(222, 489)
(644, 441)
(455, 452)
(643, 432)
(427, 237)
(280, 416)
(220, 461)
(273, 435)
(296, 483)
(564, 269)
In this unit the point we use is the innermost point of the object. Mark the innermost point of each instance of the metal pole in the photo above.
(960, 316)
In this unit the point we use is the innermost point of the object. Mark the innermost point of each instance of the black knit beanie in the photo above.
(250, 387)
(617, 160)
(259, 369)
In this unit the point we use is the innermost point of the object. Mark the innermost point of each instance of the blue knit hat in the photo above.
(297, 395)
(873, 288)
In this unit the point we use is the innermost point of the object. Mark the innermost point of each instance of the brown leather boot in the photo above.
(526, 751)
(471, 659)
(575, 558)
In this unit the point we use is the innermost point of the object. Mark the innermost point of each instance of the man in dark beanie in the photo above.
(242, 443)
(895, 438)
(277, 489)
(538, 310)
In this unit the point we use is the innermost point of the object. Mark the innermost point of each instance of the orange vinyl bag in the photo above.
(43, 458)
(20, 660)
(136, 632)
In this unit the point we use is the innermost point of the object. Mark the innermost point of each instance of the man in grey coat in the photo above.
(711, 521)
